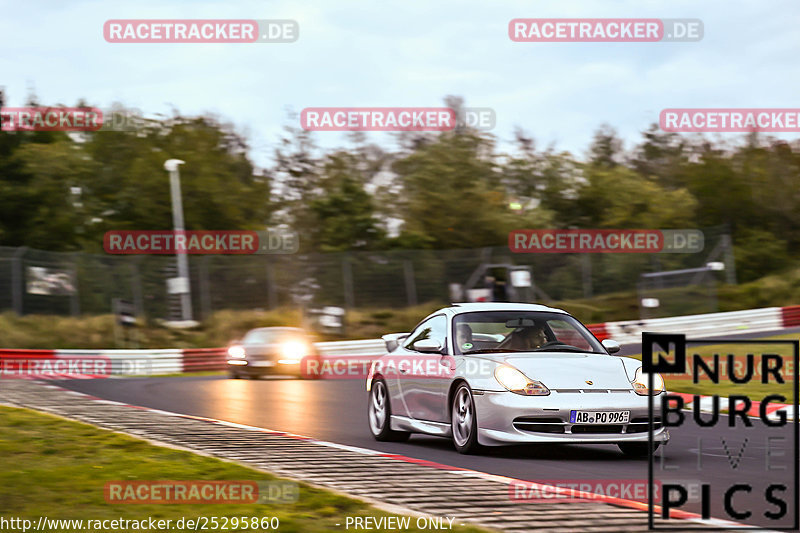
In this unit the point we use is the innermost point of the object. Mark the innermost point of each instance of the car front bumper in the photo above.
(244, 366)
(507, 418)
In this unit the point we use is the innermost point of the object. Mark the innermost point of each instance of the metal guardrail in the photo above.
(169, 361)
(712, 324)
(360, 347)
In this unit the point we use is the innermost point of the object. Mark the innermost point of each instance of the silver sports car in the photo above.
(504, 373)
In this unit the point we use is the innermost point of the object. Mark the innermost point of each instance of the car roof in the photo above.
(469, 307)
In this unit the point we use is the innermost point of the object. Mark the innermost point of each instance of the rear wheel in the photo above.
(463, 421)
(379, 412)
(636, 449)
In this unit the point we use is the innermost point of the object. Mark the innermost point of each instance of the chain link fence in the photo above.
(39, 282)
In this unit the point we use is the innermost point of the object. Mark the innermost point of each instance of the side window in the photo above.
(433, 328)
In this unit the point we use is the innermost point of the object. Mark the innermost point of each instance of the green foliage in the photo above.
(435, 191)
(343, 211)
(757, 253)
(451, 193)
(60, 192)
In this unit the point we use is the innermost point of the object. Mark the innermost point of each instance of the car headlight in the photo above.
(640, 383)
(236, 352)
(293, 351)
(518, 383)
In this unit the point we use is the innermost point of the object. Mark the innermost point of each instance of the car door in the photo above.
(422, 377)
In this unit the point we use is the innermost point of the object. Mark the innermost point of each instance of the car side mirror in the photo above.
(428, 346)
(611, 346)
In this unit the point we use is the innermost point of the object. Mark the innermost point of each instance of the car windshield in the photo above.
(521, 331)
(272, 336)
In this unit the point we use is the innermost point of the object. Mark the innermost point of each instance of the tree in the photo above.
(344, 216)
(219, 185)
(620, 198)
(452, 196)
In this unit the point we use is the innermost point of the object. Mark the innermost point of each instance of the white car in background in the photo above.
(272, 350)
(505, 373)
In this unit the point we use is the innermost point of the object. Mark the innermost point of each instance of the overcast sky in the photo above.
(407, 53)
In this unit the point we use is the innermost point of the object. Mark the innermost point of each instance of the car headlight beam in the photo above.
(293, 351)
(640, 383)
(236, 352)
(518, 383)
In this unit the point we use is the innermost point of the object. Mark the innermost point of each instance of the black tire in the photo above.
(637, 449)
(379, 414)
(464, 421)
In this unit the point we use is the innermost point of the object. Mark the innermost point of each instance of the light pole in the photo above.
(183, 287)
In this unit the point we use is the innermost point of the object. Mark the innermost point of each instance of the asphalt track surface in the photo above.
(335, 411)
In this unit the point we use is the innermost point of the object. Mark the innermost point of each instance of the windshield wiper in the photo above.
(562, 348)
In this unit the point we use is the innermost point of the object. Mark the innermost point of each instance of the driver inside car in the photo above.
(528, 338)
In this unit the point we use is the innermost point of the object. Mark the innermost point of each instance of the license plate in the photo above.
(262, 363)
(599, 417)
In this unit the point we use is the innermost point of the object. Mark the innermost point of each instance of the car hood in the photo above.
(563, 370)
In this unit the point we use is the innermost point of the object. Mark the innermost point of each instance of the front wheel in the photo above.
(463, 421)
(379, 412)
(636, 449)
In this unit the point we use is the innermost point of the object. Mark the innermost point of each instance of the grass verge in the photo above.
(58, 468)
